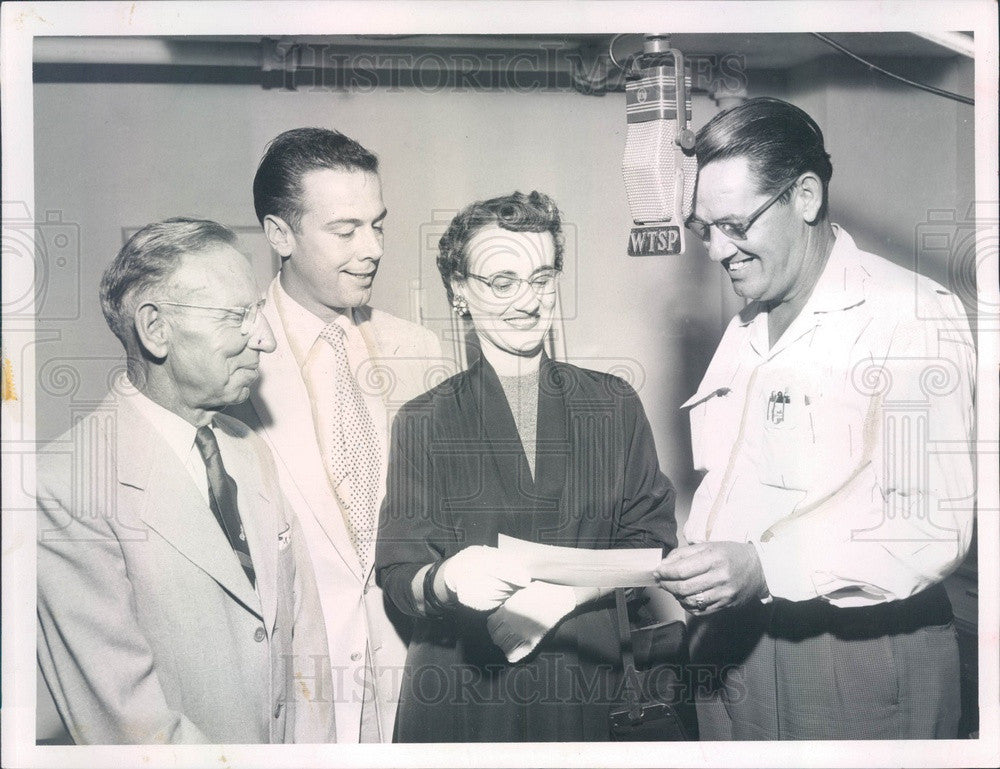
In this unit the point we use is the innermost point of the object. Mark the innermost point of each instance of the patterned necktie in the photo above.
(355, 455)
(222, 498)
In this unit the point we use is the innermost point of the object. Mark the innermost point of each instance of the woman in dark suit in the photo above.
(520, 445)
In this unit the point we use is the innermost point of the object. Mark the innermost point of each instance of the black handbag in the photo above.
(656, 705)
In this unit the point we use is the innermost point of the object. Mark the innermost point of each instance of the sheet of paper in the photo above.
(583, 567)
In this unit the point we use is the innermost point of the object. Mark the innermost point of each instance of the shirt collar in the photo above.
(301, 326)
(840, 285)
(176, 432)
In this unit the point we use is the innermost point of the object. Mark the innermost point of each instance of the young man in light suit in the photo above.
(176, 601)
(327, 395)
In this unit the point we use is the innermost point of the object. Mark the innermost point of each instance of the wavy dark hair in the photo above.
(779, 140)
(517, 212)
(277, 185)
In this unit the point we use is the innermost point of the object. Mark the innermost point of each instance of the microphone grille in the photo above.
(659, 176)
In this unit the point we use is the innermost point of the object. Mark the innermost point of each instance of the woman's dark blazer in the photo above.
(458, 476)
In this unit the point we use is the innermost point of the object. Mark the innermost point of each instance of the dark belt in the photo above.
(803, 619)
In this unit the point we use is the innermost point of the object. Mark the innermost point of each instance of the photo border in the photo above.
(22, 22)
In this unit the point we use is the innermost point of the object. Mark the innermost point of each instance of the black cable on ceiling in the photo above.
(922, 86)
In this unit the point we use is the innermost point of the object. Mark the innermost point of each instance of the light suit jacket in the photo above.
(149, 630)
(405, 358)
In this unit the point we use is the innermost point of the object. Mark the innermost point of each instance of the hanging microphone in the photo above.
(659, 164)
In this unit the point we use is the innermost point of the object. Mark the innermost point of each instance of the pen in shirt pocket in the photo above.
(779, 404)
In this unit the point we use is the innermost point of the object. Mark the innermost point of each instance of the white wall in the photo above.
(113, 156)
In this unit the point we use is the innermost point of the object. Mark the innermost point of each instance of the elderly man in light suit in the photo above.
(176, 602)
(327, 395)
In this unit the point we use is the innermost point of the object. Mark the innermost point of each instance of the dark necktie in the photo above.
(222, 498)
(356, 457)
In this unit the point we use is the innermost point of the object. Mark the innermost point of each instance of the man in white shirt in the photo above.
(176, 601)
(834, 426)
(326, 398)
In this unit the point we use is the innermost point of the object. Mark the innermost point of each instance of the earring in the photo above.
(460, 305)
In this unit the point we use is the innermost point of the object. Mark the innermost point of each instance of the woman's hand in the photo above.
(527, 616)
(482, 577)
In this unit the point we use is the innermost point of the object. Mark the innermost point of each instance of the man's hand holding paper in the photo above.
(710, 576)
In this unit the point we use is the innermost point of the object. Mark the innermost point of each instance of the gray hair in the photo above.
(147, 261)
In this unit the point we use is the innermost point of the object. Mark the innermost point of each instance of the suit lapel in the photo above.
(553, 451)
(259, 523)
(532, 506)
(397, 354)
(497, 428)
(174, 508)
(390, 373)
(282, 404)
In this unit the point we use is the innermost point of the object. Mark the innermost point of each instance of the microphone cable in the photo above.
(837, 46)
(922, 86)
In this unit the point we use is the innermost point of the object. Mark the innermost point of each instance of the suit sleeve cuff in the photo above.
(397, 582)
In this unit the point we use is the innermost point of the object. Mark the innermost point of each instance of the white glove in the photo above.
(528, 615)
(482, 577)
